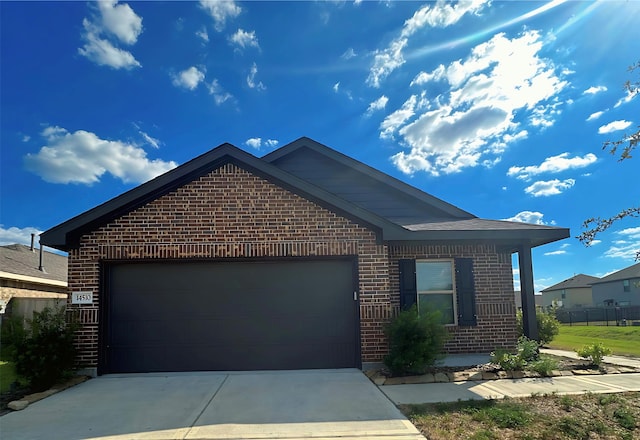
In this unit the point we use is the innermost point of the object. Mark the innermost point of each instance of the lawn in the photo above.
(549, 417)
(623, 341)
(7, 375)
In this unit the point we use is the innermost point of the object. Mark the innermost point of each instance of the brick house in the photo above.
(293, 260)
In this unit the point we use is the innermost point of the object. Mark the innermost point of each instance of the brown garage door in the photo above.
(170, 316)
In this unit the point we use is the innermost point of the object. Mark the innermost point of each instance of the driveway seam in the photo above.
(204, 407)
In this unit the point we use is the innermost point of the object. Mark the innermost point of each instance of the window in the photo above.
(626, 286)
(436, 288)
(563, 293)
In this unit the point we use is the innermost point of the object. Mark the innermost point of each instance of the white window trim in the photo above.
(453, 292)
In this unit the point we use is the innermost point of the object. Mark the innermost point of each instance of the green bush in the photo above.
(543, 366)
(45, 354)
(526, 352)
(416, 341)
(548, 326)
(595, 353)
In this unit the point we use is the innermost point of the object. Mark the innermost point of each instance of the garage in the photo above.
(222, 315)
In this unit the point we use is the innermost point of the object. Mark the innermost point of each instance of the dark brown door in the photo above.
(291, 314)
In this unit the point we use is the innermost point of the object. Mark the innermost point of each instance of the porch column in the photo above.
(529, 323)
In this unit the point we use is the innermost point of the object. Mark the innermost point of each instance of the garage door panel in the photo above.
(231, 316)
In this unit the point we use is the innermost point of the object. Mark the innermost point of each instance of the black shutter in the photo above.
(465, 291)
(408, 286)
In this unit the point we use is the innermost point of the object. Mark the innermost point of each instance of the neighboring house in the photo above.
(570, 293)
(621, 288)
(294, 260)
(518, 297)
(24, 286)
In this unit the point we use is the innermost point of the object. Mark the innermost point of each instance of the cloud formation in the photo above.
(14, 235)
(614, 126)
(626, 247)
(257, 143)
(594, 89)
(546, 188)
(553, 164)
(251, 79)
(220, 96)
(436, 15)
(189, 78)
(82, 157)
(220, 11)
(594, 116)
(499, 80)
(378, 104)
(116, 23)
(531, 217)
(243, 39)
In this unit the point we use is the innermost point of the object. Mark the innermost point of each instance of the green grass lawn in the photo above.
(623, 341)
(7, 375)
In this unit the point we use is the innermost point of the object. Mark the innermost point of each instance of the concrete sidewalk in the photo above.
(501, 388)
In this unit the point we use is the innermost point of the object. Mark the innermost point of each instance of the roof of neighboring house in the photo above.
(394, 210)
(18, 261)
(575, 282)
(624, 274)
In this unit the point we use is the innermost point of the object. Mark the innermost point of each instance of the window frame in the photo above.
(453, 292)
(626, 285)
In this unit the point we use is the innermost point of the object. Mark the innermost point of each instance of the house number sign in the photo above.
(81, 297)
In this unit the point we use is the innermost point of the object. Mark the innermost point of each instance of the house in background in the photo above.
(518, 297)
(294, 260)
(621, 288)
(29, 284)
(570, 293)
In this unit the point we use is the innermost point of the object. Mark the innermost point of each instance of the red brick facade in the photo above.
(231, 213)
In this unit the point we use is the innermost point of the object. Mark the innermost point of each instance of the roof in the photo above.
(575, 282)
(20, 262)
(397, 212)
(624, 274)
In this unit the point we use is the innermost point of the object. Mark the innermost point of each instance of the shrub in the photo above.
(548, 326)
(543, 366)
(526, 352)
(45, 354)
(416, 341)
(595, 353)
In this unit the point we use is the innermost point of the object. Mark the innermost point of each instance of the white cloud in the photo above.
(614, 126)
(244, 39)
(549, 187)
(203, 34)
(531, 217)
(348, 54)
(553, 164)
(189, 78)
(594, 242)
(633, 233)
(594, 116)
(219, 94)
(439, 15)
(630, 95)
(251, 79)
(396, 119)
(220, 11)
(15, 235)
(555, 253)
(155, 143)
(594, 89)
(117, 21)
(336, 87)
(627, 247)
(82, 157)
(257, 143)
(499, 80)
(120, 20)
(378, 104)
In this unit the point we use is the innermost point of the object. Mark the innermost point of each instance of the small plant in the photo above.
(45, 354)
(543, 366)
(416, 341)
(526, 352)
(548, 326)
(567, 402)
(595, 353)
(625, 418)
(507, 415)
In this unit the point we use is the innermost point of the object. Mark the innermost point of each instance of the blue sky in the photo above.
(500, 108)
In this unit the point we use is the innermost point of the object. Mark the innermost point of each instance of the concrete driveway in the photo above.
(319, 404)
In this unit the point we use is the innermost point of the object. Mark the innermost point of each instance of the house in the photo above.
(518, 299)
(621, 288)
(570, 293)
(30, 281)
(293, 260)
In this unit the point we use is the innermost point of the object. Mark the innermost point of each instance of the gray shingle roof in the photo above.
(575, 282)
(20, 260)
(628, 273)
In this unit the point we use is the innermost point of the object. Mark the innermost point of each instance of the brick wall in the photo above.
(495, 301)
(231, 213)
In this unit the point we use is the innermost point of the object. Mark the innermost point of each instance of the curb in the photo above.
(19, 405)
